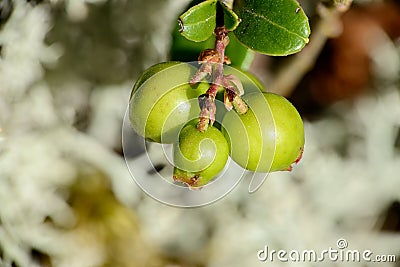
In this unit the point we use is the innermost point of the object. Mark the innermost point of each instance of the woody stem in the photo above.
(206, 101)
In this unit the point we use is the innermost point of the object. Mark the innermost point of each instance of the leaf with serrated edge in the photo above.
(277, 28)
(198, 23)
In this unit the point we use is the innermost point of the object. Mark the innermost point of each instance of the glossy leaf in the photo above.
(278, 27)
(198, 23)
(183, 49)
(231, 20)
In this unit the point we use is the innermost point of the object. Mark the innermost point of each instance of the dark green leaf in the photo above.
(184, 50)
(198, 23)
(278, 27)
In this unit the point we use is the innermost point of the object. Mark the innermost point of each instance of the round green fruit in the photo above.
(162, 101)
(199, 156)
(268, 137)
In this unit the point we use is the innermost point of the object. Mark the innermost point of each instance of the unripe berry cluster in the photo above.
(164, 108)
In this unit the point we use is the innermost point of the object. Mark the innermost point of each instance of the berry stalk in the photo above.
(206, 101)
(232, 85)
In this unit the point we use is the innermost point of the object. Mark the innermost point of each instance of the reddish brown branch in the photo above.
(206, 101)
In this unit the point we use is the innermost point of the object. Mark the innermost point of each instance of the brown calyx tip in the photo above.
(290, 168)
(300, 155)
(193, 182)
(187, 178)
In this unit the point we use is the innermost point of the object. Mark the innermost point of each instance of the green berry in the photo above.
(162, 101)
(268, 137)
(199, 156)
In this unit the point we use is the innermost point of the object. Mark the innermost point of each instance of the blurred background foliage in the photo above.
(66, 196)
